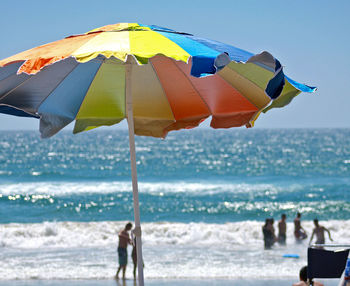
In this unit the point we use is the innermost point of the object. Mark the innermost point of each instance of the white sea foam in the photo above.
(66, 250)
(204, 188)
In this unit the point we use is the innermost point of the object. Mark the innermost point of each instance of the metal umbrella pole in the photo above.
(137, 230)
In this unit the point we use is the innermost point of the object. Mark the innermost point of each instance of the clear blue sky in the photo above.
(310, 38)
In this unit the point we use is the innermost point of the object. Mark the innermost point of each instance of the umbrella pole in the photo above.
(137, 230)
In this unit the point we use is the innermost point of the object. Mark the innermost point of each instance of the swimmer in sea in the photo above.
(282, 230)
(319, 231)
(299, 232)
(124, 240)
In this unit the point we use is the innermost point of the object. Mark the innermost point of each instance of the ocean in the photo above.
(204, 196)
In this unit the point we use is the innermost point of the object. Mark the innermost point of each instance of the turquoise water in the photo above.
(196, 175)
(204, 195)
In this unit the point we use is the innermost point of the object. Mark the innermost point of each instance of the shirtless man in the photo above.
(282, 230)
(124, 240)
(319, 231)
(299, 232)
(303, 279)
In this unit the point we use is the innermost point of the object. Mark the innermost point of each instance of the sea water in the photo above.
(204, 196)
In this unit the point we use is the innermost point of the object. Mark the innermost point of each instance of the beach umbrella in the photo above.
(157, 78)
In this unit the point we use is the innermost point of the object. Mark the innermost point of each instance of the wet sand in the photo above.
(161, 282)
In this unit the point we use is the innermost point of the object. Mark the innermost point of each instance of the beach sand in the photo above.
(161, 282)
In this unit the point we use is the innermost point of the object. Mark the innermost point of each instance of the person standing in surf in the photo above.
(282, 230)
(124, 240)
(268, 233)
(299, 232)
(134, 254)
(319, 231)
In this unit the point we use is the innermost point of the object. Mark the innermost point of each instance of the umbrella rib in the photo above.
(10, 75)
(19, 109)
(253, 83)
(31, 77)
(41, 102)
(103, 61)
(13, 89)
(242, 94)
(199, 94)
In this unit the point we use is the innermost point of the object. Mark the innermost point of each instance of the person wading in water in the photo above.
(124, 240)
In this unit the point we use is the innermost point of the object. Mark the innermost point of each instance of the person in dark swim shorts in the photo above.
(299, 232)
(282, 230)
(122, 256)
(124, 240)
(268, 233)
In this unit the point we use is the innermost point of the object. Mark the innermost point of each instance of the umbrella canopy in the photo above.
(157, 78)
(83, 77)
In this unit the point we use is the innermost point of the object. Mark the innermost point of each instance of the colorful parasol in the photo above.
(158, 79)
